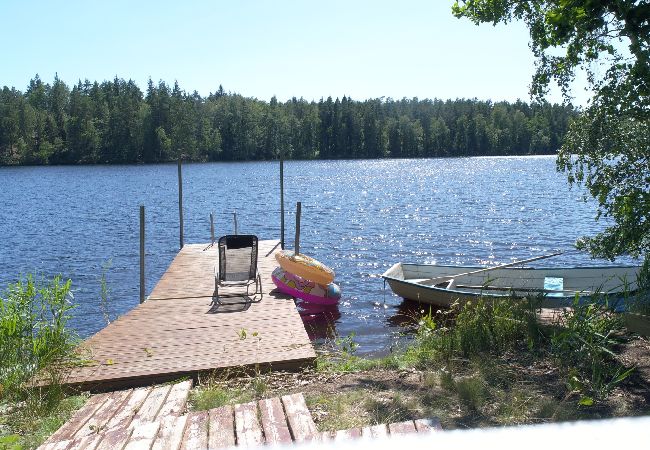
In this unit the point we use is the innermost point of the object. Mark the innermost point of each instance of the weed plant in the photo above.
(34, 332)
(474, 328)
(584, 344)
(35, 344)
(639, 301)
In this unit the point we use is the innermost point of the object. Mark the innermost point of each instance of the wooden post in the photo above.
(282, 203)
(234, 217)
(180, 200)
(297, 241)
(212, 227)
(141, 253)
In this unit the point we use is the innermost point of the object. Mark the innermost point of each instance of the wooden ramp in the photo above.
(156, 418)
(176, 332)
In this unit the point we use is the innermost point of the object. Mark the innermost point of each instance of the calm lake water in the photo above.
(359, 217)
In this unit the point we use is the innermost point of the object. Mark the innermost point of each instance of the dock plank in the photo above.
(170, 434)
(151, 406)
(196, 431)
(301, 424)
(176, 400)
(406, 427)
(177, 332)
(427, 425)
(376, 431)
(274, 423)
(104, 414)
(124, 417)
(247, 427)
(78, 420)
(143, 437)
(344, 435)
(221, 428)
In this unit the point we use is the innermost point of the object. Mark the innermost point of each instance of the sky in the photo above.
(358, 48)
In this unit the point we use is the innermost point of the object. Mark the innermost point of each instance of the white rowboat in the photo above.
(444, 285)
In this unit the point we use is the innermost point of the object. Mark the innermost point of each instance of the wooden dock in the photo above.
(156, 418)
(177, 333)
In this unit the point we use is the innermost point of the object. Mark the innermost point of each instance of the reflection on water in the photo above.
(358, 217)
(320, 320)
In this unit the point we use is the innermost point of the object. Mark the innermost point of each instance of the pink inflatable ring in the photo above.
(306, 290)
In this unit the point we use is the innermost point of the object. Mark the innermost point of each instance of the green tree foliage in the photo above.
(115, 122)
(607, 148)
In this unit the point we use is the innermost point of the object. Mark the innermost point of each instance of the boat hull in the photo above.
(419, 282)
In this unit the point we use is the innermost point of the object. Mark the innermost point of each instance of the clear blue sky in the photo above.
(360, 48)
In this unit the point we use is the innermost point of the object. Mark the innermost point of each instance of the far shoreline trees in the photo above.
(114, 122)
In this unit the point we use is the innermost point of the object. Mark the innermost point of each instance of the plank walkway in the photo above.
(176, 332)
(155, 418)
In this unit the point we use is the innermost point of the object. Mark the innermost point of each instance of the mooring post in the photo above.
(141, 253)
(281, 202)
(180, 200)
(234, 218)
(297, 241)
(212, 227)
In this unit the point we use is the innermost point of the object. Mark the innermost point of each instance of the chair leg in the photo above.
(215, 294)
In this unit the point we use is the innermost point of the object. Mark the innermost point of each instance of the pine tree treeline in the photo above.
(115, 122)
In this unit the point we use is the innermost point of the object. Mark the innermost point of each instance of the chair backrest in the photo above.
(238, 257)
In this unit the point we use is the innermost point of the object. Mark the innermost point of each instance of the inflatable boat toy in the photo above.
(305, 267)
(306, 290)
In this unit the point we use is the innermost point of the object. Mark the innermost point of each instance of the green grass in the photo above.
(36, 344)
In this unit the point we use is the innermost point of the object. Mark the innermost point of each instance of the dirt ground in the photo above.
(507, 390)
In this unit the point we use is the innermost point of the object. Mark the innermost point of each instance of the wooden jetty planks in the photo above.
(103, 414)
(343, 435)
(406, 427)
(376, 431)
(148, 411)
(427, 425)
(143, 437)
(274, 423)
(123, 417)
(79, 419)
(170, 434)
(196, 431)
(221, 428)
(178, 332)
(156, 423)
(247, 427)
(299, 418)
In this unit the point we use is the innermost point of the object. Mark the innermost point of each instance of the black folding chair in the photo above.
(237, 268)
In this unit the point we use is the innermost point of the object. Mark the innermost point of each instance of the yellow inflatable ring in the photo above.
(305, 267)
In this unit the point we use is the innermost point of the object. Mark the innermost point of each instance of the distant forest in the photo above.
(115, 122)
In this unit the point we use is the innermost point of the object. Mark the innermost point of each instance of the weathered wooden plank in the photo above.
(176, 400)
(56, 445)
(170, 434)
(301, 424)
(86, 442)
(77, 421)
(427, 425)
(406, 427)
(103, 414)
(196, 431)
(143, 436)
(150, 407)
(221, 428)
(115, 439)
(247, 427)
(376, 431)
(274, 422)
(344, 435)
(326, 436)
(124, 417)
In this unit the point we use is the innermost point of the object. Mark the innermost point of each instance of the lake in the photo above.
(359, 217)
